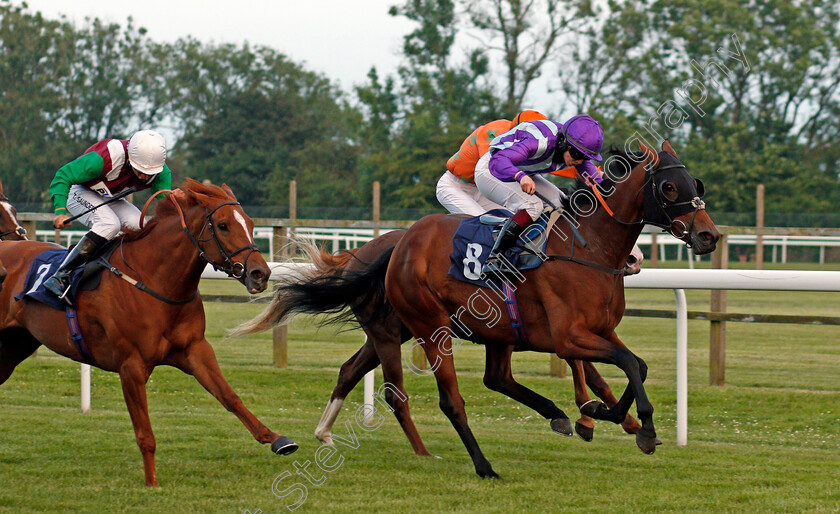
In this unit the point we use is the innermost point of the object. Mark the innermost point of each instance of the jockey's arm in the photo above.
(163, 180)
(587, 169)
(504, 163)
(87, 167)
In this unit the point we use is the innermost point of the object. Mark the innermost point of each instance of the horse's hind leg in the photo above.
(199, 360)
(16, 344)
(498, 377)
(350, 374)
(391, 357)
(437, 344)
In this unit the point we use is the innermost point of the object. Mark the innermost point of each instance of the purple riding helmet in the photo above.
(585, 134)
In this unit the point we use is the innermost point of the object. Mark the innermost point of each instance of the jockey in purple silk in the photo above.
(510, 173)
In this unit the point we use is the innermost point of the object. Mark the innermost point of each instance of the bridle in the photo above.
(232, 269)
(18, 230)
(658, 210)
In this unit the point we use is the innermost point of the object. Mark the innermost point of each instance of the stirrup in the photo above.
(490, 219)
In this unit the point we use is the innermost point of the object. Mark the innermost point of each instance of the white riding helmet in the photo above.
(147, 152)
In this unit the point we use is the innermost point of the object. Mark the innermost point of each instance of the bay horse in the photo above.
(129, 330)
(385, 334)
(571, 304)
(10, 229)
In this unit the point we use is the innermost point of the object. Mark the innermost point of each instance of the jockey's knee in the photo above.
(106, 230)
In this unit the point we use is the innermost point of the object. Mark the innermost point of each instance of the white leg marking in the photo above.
(324, 430)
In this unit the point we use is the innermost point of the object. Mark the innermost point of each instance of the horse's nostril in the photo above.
(257, 275)
(631, 260)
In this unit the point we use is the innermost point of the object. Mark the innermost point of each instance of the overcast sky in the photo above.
(339, 38)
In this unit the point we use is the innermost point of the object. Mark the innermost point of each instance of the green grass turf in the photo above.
(767, 441)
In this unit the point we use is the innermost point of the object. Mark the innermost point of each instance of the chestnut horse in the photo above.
(10, 229)
(570, 305)
(131, 331)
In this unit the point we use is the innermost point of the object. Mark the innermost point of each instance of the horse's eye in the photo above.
(669, 191)
(223, 226)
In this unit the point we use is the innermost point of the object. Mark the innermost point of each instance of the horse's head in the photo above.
(10, 229)
(226, 236)
(673, 201)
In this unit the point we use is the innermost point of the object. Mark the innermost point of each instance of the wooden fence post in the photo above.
(280, 335)
(376, 195)
(654, 251)
(759, 222)
(717, 329)
(292, 216)
(30, 227)
(558, 366)
(418, 357)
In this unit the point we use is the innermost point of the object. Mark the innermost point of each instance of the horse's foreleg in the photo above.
(498, 377)
(199, 360)
(591, 347)
(349, 375)
(602, 390)
(133, 376)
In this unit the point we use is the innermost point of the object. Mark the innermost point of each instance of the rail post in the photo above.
(717, 329)
(759, 223)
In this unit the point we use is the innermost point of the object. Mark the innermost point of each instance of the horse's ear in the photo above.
(666, 147)
(228, 191)
(651, 157)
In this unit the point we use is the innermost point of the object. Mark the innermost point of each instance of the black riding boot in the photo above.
(508, 234)
(84, 251)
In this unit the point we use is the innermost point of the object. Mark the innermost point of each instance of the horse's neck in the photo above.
(166, 258)
(609, 241)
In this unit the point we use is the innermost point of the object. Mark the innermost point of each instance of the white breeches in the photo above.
(510, 194)
(461, 197)
(106, 221)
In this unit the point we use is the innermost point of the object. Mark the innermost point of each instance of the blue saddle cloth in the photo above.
(473, 241)
(42, 268)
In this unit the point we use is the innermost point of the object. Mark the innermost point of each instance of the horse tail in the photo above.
(327, 289)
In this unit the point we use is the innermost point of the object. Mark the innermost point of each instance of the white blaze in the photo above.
(8, 209)
(241, 221)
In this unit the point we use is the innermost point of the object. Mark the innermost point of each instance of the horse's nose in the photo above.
(258, 280)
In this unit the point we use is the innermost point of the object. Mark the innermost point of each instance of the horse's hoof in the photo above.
(326, 439)
(595, 409)
(284, 446)
(488, 473)
(645, 443)
(562, 426)
(584, 432)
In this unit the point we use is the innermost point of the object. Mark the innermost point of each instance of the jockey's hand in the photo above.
(58, 221)
(527, 184)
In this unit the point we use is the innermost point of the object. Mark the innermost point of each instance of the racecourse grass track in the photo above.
(767, 441)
